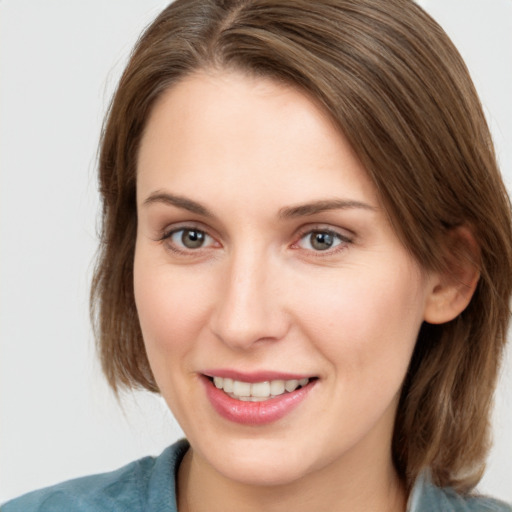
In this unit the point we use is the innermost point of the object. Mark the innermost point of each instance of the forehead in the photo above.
(243, 132)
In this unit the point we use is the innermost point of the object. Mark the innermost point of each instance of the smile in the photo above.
(257, 391)
(263, 400)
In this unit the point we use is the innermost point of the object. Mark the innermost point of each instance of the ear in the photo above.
(453, 287)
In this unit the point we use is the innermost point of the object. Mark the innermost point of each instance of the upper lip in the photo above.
(254, 376)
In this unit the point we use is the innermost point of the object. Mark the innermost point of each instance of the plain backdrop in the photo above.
(59, 63)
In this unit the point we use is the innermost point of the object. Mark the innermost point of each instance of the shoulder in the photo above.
(426, 497)
(146, 484)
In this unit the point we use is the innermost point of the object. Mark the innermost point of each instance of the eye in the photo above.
(322, 240)
(188, 239)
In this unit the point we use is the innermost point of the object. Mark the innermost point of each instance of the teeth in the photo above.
(260, 389)
(257, 391)
(241, 388)
(228, 385)
(291, 385)
(277, 387)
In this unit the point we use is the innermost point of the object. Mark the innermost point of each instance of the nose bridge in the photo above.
(247, 309)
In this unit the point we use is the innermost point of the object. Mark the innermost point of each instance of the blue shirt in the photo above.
(148, 485)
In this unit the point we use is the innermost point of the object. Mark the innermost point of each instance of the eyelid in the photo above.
(344, 233)
(169, 229)
(346, 237)
(166, 234)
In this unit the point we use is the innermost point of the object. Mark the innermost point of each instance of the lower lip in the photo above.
(255, 413)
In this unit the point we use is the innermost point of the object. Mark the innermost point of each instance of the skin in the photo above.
(258, 296)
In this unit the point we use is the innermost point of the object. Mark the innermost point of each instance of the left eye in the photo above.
(320, 240)
(190, 238)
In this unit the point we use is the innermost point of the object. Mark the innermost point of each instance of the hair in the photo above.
(399, 91)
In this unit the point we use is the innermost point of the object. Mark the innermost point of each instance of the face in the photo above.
(278, 308)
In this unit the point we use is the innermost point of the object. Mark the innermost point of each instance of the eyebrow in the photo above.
(178, 201)
(304, 210)
(291, 212)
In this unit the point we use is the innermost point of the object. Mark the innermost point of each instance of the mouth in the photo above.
(256, 399)
(258, 391)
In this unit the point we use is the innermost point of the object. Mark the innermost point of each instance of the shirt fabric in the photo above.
(149, 485)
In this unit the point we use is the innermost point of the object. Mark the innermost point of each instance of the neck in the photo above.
(354, 487)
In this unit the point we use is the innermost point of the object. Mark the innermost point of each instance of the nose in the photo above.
(250, 302)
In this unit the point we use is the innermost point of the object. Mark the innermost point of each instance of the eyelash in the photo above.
(343, 241)
(167, 239)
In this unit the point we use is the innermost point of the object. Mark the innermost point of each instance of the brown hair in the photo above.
(399, 91)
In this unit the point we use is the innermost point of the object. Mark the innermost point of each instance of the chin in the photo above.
(259, 462)
(263, 473)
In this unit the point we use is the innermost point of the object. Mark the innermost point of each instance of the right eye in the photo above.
(188, 239)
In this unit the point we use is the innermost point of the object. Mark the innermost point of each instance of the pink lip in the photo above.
(255, 413)
(260, 376)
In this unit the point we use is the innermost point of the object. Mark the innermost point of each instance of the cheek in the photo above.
(170, 306)
(366, 322)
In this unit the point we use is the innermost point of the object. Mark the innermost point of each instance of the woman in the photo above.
(306, 251)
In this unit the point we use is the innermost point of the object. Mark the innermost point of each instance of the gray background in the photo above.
(59, 63)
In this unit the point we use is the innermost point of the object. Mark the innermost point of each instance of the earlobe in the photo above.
(452, 288)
